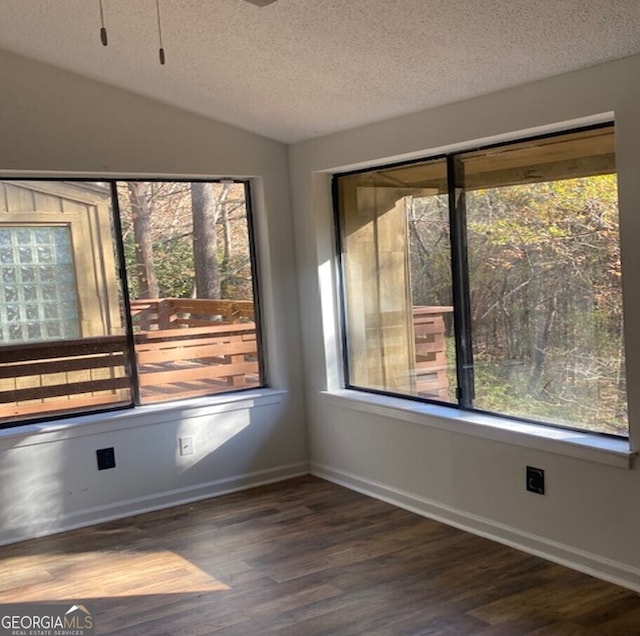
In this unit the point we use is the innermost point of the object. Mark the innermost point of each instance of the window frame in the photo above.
(464, 392)
(121, 273)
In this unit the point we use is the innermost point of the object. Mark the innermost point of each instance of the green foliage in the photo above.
(172, 240)
(236, 277)
(546, 304)
(174, 268)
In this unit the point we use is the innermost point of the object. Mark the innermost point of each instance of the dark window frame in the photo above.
(121, 273)
(460, 278)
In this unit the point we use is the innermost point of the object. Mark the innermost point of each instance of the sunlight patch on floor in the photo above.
(101, 574)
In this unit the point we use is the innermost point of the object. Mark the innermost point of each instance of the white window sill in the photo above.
(109, 421)
(582, 445)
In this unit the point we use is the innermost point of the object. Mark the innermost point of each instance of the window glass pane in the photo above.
(544, 267)
(190, 277)
(62, 328)
(394, 230)
(38, 278)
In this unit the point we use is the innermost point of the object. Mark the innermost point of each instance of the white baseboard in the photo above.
(156, 501)
(574, 558)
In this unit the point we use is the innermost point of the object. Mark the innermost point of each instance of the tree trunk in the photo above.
(540, 353)
(226, 224)
(141, 216)
(205, 240)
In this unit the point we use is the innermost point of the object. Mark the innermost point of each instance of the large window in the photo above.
(121, 293)
(490, 279)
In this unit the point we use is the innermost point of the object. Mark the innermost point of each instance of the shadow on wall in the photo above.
(48, 484)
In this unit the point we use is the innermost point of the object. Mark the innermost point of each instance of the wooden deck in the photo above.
(431, 370)
(309, 558)
(63, 376)
(188, 347)
(183, 348)
(173, 313)
(180, 363)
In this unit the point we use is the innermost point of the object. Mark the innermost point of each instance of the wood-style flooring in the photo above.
(306, 557)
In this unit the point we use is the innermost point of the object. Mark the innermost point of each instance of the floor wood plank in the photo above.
(306, 557)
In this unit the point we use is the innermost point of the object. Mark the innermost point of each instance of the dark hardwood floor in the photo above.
(307, 557)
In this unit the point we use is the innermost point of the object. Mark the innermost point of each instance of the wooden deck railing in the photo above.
(187, 347)
(64, 375)
(183, 348)
(185, 362)
(430, 351)
(169, 313)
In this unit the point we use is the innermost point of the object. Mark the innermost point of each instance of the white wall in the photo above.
(589, 516)
(56, 123)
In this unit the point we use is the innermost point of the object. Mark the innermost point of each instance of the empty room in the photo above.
(318, 317)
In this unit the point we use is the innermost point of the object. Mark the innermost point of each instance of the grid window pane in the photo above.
(32, 280)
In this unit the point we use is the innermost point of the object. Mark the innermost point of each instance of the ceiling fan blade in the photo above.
(261, 3)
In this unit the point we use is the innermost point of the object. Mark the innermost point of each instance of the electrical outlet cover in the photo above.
(106, 458)
(535, 480)
(186, 446)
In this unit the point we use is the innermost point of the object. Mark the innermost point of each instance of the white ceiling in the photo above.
(301, 68)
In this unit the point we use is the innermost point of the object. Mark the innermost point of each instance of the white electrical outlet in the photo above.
(186, 446)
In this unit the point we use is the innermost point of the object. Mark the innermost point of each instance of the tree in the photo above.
(546, 306)
(170, 223)
(147, 283)
(206, 207)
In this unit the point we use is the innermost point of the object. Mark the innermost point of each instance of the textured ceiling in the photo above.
(296, 69)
